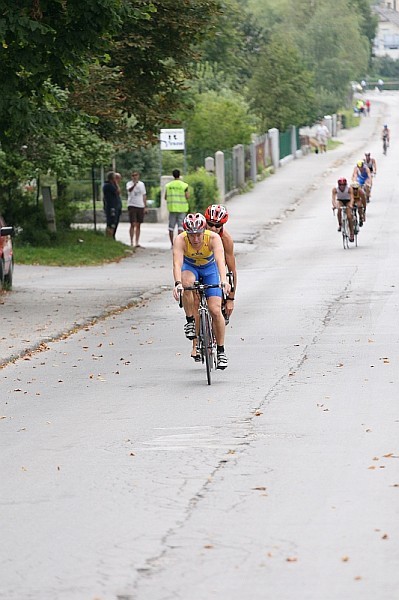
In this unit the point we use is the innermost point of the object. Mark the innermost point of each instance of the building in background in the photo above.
(386, 42)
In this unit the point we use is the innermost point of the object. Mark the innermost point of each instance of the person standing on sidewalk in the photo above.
(176, 196)
(118, 178)
(136, 206)
(111, 202)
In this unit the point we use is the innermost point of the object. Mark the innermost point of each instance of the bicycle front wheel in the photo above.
(206, 333)
(345, 233)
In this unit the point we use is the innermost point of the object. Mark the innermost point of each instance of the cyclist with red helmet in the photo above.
(342, 195)
(198, 256)
(216, 216)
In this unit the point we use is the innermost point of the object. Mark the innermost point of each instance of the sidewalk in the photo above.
(48, 302)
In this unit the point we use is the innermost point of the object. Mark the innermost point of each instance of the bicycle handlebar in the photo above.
(198, 287)
(202, 286)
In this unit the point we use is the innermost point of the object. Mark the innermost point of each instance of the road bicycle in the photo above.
(345, 226)
(206, 343)
(384, 145)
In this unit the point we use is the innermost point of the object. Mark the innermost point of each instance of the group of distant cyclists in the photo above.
(357, 193)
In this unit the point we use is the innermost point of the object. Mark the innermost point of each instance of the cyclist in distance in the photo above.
(386, 135)
(342, 195)
(370, 163)
(360, 200)
(361, 174)
(198, 256)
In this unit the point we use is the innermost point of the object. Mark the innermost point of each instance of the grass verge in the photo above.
(72, 249)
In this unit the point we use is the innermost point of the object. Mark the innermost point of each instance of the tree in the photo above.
(218, 122)
(44, 42)
(329, 37)
(281, 91)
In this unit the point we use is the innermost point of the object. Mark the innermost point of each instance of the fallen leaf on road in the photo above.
(258, 413)
(291, 559)
(260, 488)
(373, 467)
(208, 546)
(385, 536)
(345, 558)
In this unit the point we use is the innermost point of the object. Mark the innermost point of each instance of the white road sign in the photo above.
(172, 139)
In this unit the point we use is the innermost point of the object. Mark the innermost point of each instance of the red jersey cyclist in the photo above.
(198, 256)
(216, 216)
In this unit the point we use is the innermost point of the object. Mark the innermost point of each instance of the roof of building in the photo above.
(387, 15)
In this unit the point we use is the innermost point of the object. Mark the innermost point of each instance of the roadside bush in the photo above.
(203, 190)
(349, 119)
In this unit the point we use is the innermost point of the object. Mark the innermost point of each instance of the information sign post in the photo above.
(173, 139)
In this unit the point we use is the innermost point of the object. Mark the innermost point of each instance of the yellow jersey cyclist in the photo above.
(198, 256)
(360, 200)
(216, 216)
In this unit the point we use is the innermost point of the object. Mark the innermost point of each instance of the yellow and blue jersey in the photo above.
(202, 257)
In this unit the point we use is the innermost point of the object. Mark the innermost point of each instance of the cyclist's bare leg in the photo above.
(219, 326)
(361, 210)
(339, 216)
(350, 218)
(187, 279)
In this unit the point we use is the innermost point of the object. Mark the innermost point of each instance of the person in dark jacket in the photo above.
(112, 203)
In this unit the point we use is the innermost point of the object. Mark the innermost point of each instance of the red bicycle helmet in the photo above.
(217, 213)
(342, 181)
(194, 223)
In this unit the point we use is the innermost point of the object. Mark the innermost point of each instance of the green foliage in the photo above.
(281, 91)
(71, 248)
(42, 42)
(203, 190)
(385, 67)
(234, 43)
(219, 121)
(349, 119)
(331, 40)
(368, 21)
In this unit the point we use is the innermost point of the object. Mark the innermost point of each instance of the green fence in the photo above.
(285, 143)
(228, 170)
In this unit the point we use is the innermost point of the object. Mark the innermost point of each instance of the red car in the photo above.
(6, 255)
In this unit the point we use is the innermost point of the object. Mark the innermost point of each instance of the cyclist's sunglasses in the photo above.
(217, 225)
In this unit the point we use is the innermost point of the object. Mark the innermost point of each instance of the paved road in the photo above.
(47, 302)
(125, 477)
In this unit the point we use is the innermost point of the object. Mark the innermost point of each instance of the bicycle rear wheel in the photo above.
(206, 333)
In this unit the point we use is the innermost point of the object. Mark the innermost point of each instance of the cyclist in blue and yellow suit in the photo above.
(198, 255)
